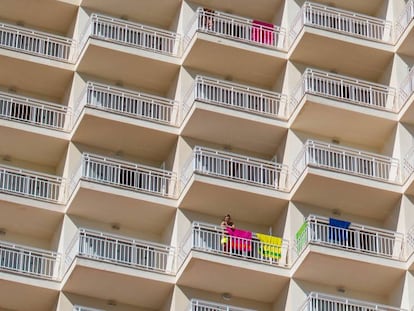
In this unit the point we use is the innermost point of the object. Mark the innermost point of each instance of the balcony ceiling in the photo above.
(353, 195)
(20, 142)
(127, 208)
(121, 284)
(141, 142)
(37, 14)
(264, 10)
(29, 221)
(342, 54)
(369, 7)
(25, 297)
(159, 13)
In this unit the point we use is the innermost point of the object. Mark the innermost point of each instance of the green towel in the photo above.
(301, 237)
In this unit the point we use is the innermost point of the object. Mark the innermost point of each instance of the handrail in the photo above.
(237, 96)
(33, 111)
(81, 308)
(127, 102)
(238, 28)
(318, 301)
(355, 91)
(407, 87)
(29, 260)
(36, 42)
(203, 305)
(404, 19)
(342, 21)
(128, 175)
(347, 160)
(213, 239)
(30, 183)
(122, 250)
(237, 167)
(357, 238)
(129, 33)
(408, 163)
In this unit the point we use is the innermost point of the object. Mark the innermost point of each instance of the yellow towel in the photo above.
(273, 247)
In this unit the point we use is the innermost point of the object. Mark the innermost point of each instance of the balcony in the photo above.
(408, 169)
(116, 50)
(32, 111)
(95, 259)
(149, 120)
(329, 103)
(404, 30)
(357, 238)
(110, 190)
(345, 33)
(336, 252)
(31, 185)
(223, 35)
(406, 98)
(36, 43)
(210, 251)
(212, 179)
(318, 301)
(80, 308)
(410, 248)
(200, 305)
(362, 183)
(221, 106)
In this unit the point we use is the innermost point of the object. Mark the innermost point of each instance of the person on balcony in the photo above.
(226, 223)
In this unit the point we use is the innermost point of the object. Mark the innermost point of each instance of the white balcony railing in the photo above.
(201, 305)
(346, 22)
(131, 34)
(407, 87)
(126, 102)
(32, 111)
(410, 242)
(237, 96)
(31, 184)
(356, 238)
(235, 167)
(29, 261)
(80, 308)
(345, 89)
(347, 160)
(236, 28)
(408, 164)
(213, 239)
(406, 16)
(124, 174)
(36, 42)
(122, 251)
(319, 302)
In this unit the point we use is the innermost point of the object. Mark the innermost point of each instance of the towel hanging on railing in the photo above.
(272, 247)
(338, 230)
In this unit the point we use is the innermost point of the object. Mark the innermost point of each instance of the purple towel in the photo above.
(262, 32)
(241, 240)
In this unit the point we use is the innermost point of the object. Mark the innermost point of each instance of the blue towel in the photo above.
(337, 230)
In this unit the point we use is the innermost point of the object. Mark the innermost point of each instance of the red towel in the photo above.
(240, 239)
(263, 32)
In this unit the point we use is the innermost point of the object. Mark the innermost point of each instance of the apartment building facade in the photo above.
(130, 128)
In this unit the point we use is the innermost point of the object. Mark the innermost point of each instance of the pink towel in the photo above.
(240, 239)
(262, 32)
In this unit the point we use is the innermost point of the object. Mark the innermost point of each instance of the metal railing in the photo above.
(31, 184)
(127, 175)
(32, 111)
(36, 42)
(121, 250)
(132, 34)
(237, 28)
(324, 302)
(202, 305)
(408, 164)
(407, 88)
(347, 160)
(80, 308)
(126, 102)
(410, 241)
(213, 239)
(346, 89)
(237, 96)
(236, 167)
(406, 16)
(357, 238)
(346, 22)
(29, 261)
